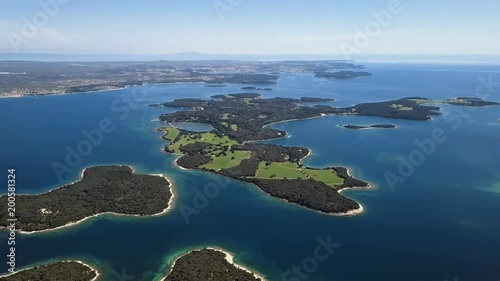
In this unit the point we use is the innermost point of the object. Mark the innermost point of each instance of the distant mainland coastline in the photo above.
(35, 78)
(215, 85)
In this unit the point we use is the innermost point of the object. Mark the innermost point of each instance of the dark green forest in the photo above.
(207, 264)
(60, 271)
(103, 189)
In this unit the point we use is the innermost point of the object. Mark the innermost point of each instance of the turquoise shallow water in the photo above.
(441, 222)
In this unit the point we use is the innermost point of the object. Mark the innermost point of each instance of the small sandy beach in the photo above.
(229, 258)
(77, 261)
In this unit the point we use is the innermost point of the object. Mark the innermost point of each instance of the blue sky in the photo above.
(251, 27)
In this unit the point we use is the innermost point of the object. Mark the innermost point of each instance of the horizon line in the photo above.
(229, 54)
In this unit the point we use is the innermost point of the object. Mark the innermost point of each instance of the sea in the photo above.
(432, 214)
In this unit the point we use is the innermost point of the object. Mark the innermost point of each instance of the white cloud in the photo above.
(54, 35)
(45, 38)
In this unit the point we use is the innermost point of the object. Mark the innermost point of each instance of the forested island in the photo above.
(256, 89)
(277, 170)
(310, 99)
(63, 271)
(102, 189)
(360, 127)
(216, 85)
(465, 101)
(342, 75)
(415, 108)
(405, 108)
(209, 264)
(244, 96)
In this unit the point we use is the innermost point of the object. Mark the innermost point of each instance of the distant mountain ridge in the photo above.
(175, 57)
(7, 55)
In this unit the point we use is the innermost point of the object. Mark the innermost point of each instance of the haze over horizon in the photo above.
(257, 27)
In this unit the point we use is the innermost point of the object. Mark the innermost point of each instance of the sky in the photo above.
(275, 27)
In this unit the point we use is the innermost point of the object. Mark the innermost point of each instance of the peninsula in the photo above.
(64, 270)
(209, 264)
(342, 75)
(102, 189)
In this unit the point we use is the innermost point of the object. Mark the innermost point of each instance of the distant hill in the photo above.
(6, 54)
(178, 57)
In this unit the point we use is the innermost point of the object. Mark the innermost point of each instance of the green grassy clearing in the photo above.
(172, 133)
(456, 102)
(275, 170)
(329, 176)
(224, 162)
(422, 101)
(291, 170)
(401, 107)
(205, 137)
(448, 101)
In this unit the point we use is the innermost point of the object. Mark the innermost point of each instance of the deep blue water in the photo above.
(441, 222)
